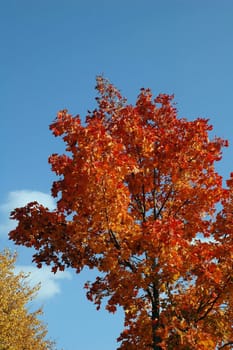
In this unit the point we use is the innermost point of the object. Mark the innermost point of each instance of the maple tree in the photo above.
(19, 328)
(139, 199)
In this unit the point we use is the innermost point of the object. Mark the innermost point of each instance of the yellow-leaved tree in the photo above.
(20, 329)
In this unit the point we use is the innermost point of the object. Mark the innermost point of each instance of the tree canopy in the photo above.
(19, 328)
(139, 199)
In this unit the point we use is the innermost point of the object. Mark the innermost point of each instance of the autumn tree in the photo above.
(19, 328)
(139, 199)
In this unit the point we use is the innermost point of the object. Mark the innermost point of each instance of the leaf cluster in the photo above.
(19, 328)
(137, 189)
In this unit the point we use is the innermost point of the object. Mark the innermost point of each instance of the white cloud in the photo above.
(50, 282)
(20, 198)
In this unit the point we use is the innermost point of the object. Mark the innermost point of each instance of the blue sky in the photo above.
(51, 52)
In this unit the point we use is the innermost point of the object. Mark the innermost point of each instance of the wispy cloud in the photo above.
(17, 199)
(49, 282)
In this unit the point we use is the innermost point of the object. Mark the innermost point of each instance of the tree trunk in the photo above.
(155, 319)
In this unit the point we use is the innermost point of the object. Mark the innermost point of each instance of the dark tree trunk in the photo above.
(155, 319)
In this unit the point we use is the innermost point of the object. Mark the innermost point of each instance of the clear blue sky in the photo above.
(51, 52)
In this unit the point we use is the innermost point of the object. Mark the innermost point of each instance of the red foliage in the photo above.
(137, 187)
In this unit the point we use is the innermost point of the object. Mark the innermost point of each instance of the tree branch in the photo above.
(226, 344)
